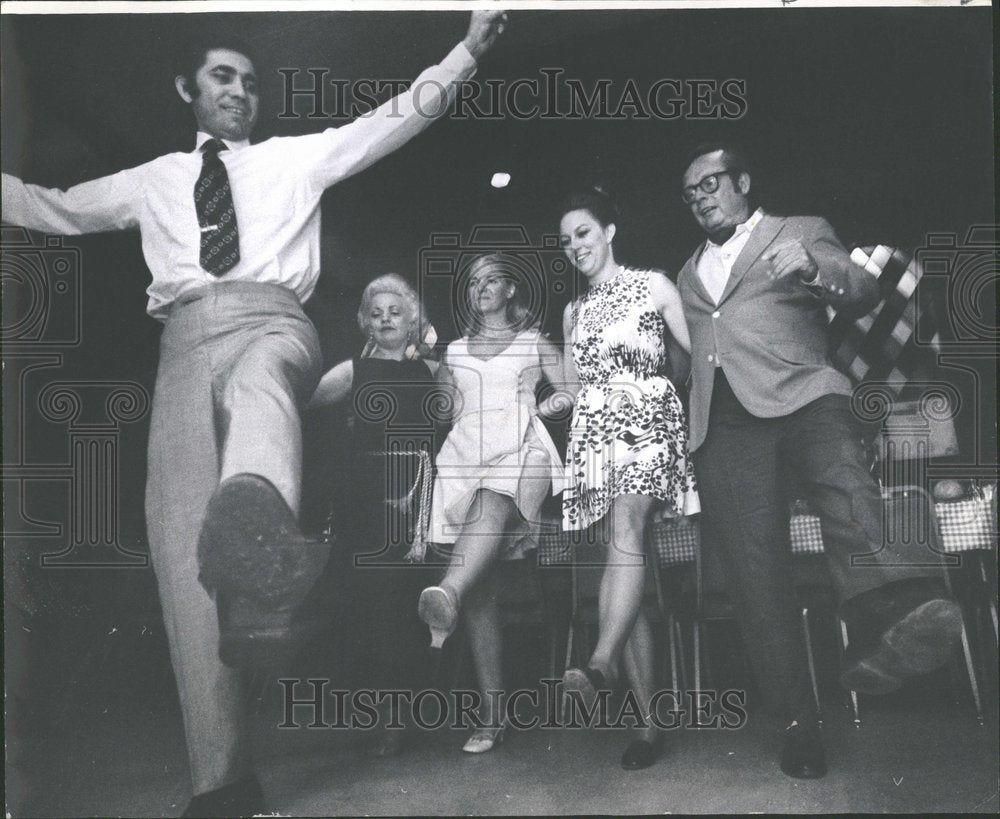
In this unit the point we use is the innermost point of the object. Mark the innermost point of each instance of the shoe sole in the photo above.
(250, 544)
(574, 679)
(918, 644)
(482, 745)
(438, 611)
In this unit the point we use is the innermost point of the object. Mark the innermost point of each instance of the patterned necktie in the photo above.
(213, 202)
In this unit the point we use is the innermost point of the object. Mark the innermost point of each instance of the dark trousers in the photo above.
(743, 469)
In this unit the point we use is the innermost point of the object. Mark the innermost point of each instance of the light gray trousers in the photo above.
(236, 361)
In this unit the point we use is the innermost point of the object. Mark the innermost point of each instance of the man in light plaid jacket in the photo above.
(766, 399)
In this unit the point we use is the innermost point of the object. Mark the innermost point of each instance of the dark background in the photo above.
(878, 119)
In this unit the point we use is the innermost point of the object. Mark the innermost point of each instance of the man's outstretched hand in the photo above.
(484, 29)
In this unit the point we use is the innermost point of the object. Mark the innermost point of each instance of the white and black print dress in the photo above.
(629, 433)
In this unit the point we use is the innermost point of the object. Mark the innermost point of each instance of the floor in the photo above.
(105, 740)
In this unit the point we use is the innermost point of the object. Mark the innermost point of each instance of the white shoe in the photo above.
(483, 740)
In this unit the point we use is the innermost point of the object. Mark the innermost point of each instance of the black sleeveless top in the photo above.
(393, 405)
(393, 410)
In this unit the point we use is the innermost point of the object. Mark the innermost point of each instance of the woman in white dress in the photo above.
(493, 470)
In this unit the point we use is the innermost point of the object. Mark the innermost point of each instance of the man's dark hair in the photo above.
(595, 200)
(192, 55)
(732, 154)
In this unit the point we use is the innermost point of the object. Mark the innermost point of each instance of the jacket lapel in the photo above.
(763, 234)
(690, 273)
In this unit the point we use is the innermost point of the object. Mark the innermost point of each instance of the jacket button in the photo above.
(716, 314)
(710, 357)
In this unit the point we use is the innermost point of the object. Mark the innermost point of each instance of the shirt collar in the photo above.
(744, 227)
(231, 144)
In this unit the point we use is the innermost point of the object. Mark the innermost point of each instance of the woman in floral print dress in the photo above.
(627, 447)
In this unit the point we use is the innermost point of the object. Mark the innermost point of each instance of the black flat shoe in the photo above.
(803, 755)
(587, 682)
(642, 754)
(240, 798)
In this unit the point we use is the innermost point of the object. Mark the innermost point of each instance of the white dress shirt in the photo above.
(276, 187)
(716, 261)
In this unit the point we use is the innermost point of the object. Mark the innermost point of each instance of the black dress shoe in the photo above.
(802, 755)
(915, 632)
(261, 569)
(237, 799)
(642, 753)
(250, 544)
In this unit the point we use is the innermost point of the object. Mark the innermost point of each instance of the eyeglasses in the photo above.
(707, 184)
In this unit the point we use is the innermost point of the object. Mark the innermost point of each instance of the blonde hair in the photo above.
(420, 328)
(519, 313)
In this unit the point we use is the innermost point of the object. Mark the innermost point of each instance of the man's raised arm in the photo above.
(351, 148)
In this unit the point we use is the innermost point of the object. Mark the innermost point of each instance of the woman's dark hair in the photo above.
(596, 201)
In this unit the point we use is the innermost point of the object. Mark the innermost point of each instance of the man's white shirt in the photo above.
(276, 187)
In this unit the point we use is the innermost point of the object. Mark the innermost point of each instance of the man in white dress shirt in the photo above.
(230, 233)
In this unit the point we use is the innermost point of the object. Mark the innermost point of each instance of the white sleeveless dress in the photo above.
(497, 440)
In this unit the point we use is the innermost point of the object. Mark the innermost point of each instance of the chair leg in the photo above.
(971, 670)
(812, 664)
(672, 642)
(853, 694)
(569, 644)
(992, 601)
(697, 659)
(993, 617)
(569, 656)
(553, 650)
(680, 654)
